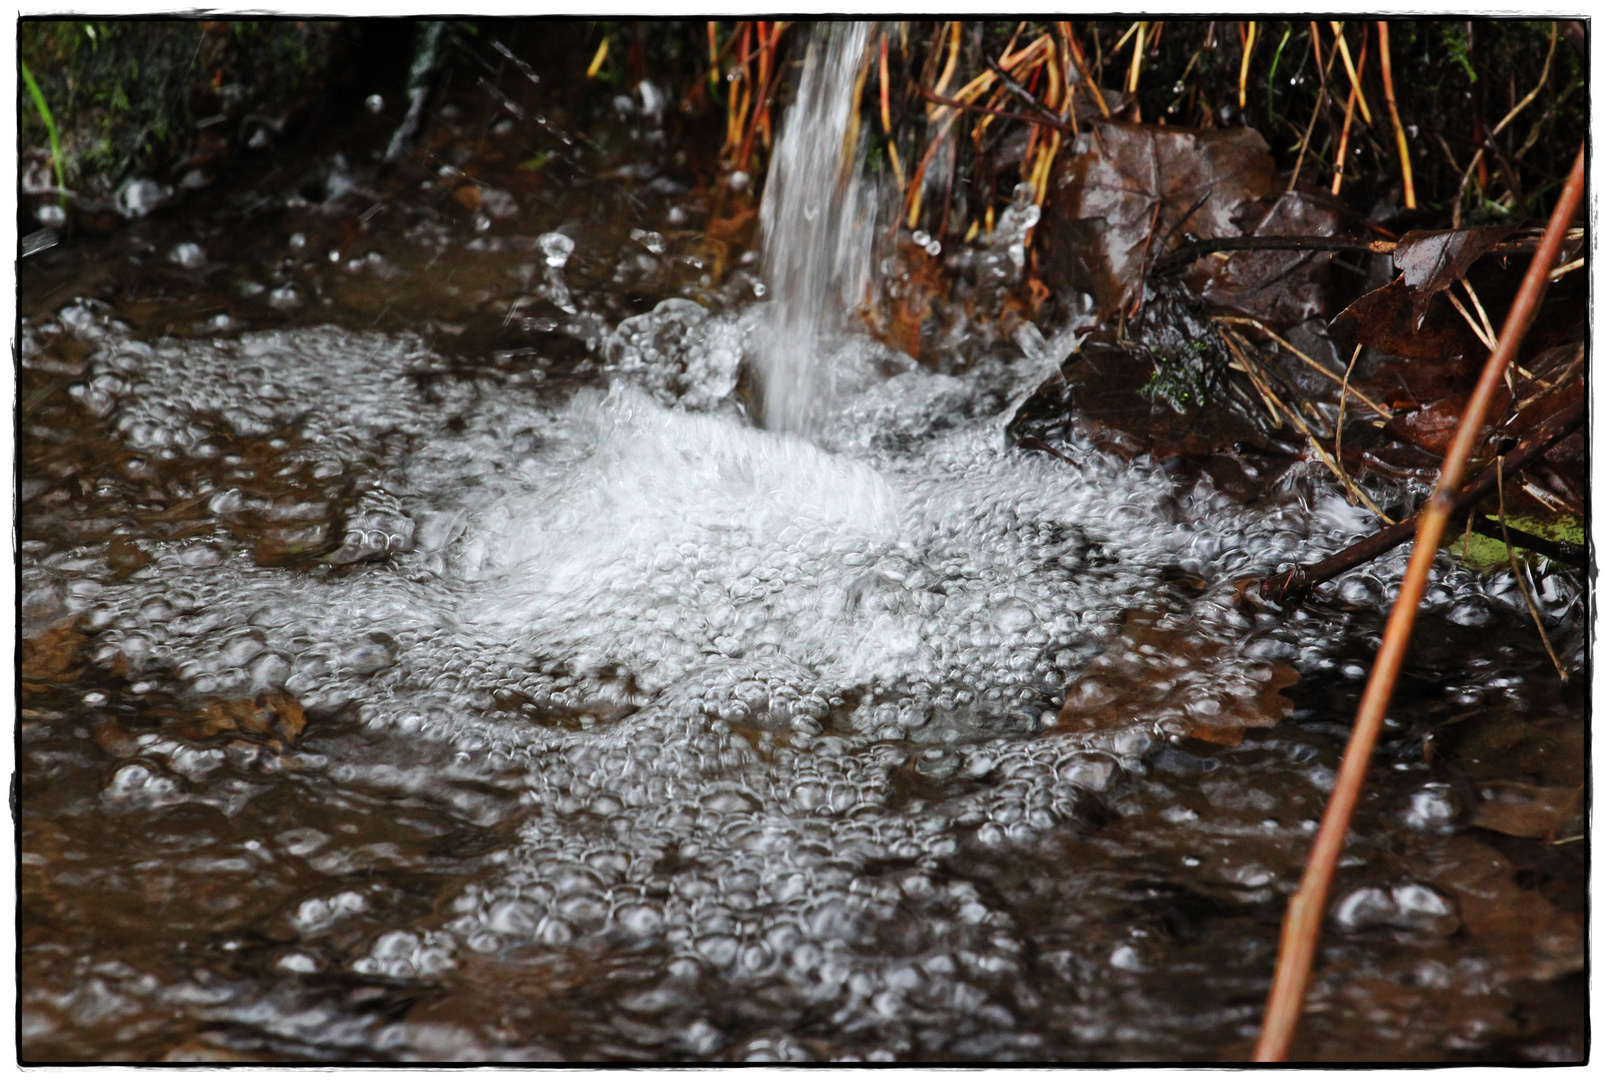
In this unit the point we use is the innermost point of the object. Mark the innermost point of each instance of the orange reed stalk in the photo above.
(1243, 67)
(1081, 69)
(1349, 118)
(1302, 925)
(713, 54)
(1349, 66)
(1394, 111)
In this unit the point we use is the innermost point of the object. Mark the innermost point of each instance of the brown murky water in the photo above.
(388, 694)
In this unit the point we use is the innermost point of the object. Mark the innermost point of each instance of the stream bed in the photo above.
(425, 658)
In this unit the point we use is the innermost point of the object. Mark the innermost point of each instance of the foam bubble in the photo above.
(706, 661)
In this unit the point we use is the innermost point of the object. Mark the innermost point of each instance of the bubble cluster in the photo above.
(679, 353)
(751, 693)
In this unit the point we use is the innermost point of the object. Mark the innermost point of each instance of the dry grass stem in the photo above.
(1477, 330)
(1240, 320)
(1243, 67)
(1516, 572)
(1483, 316)
(1240, 349)
(1087, 77)
(1321, 97)
(1349, 118)
(1338, 431)
(1554, 504)
(1477, 158)
(1354, 76)
(1562, 271)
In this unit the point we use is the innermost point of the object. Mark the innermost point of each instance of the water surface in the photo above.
(428, 658)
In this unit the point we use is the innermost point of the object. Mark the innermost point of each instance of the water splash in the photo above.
(818, 220)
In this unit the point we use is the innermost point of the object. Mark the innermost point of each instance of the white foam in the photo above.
(700, 651)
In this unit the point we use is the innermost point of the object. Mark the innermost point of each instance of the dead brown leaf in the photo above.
(1430, 262)
(1127, 187)
(1386, 319)
(1281, 288)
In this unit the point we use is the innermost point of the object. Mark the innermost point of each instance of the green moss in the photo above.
(1180, 381)
(1479, 552)
(1484, 553)
(1565, 527)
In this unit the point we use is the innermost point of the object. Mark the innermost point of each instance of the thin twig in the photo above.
(1302, 926)
(1477, 158)
(1533, 609)
(1046, 116)
(1184, 254)
(1183, 220)
(1137, 304)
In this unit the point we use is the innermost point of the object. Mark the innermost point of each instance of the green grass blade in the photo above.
(50, 127)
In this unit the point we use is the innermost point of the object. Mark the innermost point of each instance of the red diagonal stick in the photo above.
(1303, 922)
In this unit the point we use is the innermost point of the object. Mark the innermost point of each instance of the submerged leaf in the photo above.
(1535, 812)
(52, 655)
(1158, 671)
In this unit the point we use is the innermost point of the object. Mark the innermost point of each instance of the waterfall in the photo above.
(818, 221)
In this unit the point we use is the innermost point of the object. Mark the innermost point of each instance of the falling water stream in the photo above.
(634, 730)
(818, 221)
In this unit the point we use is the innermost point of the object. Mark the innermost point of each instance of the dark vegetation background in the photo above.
(161, 97)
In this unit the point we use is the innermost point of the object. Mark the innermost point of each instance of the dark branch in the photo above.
(1184, 255)
(1293, 585)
